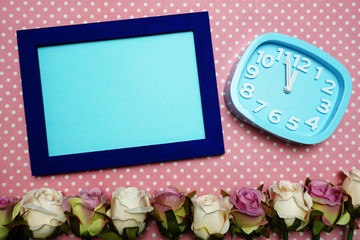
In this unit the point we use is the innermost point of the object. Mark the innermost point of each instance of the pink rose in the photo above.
(169, 199)
(8, 211)
(169, 206)
(85, 207)
(327, 199)
(247, 211)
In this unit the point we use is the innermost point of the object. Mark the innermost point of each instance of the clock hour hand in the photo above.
(289, 79)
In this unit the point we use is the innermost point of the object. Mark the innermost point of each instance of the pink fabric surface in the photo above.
(252, 156)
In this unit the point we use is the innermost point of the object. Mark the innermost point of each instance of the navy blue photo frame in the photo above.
(47, 155)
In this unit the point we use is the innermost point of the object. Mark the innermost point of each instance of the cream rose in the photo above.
(211, 215)
(290, 202)
(129, 208)
(42, 211)
(351, 186)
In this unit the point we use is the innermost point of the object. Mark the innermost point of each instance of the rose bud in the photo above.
(85, 208)
(291, 203)
(42, 210)
(248, 214)
(9, 209)
(129, 208)
(211, 216)
(170, 213)
(351, 186)
(328, 200)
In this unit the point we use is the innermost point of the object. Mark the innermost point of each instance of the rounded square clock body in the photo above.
(289, 88)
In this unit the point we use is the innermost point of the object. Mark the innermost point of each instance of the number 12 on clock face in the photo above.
(289, 88)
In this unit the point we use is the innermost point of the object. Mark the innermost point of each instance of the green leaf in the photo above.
(216, 236)
(131, 232)
(74, 223)
(260, 188)
(295, 225)
(15, 223)
(316, 213)
(15, 211)
(224, 194)
(344, 219)
(353, 224)
(188, 209)
(17, 233)
(307, 181)
(233, 230)
(173, 226)
(27, 232)
(357, 212)
(110, 223)
(65, 228)
(185, 225)
(262, 231)
(317, 226)
(277, 222)
(107, 234)
(162, 230)
(269, 211)
(191, 194)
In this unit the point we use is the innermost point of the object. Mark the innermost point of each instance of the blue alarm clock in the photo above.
(289, 88)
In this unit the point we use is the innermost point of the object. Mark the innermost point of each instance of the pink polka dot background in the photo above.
(252, 157)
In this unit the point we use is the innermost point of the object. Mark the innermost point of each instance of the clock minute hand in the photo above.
(290, 79)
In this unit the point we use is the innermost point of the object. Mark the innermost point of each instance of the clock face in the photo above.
(289, 88)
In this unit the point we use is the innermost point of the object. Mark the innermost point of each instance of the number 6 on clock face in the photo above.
(289, 88)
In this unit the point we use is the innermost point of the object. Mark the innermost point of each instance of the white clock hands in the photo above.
(290, 79)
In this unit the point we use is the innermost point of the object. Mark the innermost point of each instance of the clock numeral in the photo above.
(305, 62)
(267, 60)
(247, 90)
(274, 116)
(261, 107)
(327, 90)
(324, 106)
(287, 55)
(313, 123)
(281, 51)
(293, 123)
(319, 71)
(297, 59)
(304, 67)
(252, 72)
(261, 54)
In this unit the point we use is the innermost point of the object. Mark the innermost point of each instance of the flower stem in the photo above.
(285, 235)
(316, 237)
(350, 233)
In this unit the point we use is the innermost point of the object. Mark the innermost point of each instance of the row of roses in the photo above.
(321, 206)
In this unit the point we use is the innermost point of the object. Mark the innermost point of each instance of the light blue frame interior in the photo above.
(121, 93)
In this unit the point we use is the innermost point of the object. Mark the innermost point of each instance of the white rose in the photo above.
(43, 211)
(211, 215)
(290, 202)
(351, 186)
(129, 207)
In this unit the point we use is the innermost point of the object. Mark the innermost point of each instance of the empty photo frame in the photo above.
(119, 93)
